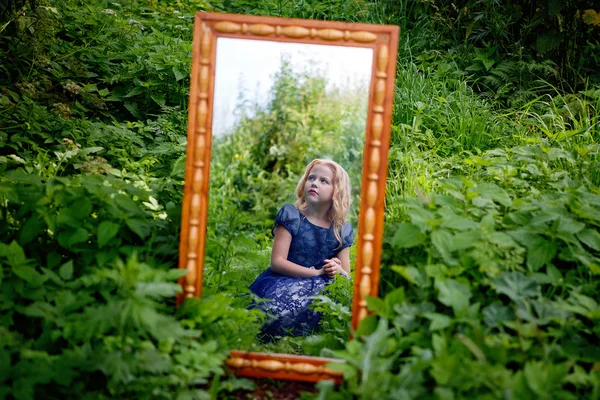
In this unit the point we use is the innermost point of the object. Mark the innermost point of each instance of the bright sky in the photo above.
(251, 64)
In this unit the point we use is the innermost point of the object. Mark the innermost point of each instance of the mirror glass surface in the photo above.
(276, 107)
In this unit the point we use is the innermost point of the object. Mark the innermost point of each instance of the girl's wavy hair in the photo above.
(341, 194)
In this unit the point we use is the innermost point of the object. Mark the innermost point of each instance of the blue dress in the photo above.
(288, 297)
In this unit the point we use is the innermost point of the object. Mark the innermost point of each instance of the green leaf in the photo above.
(38, 309)
(79, 236)
(460, 223)
(411, 274)
(438, 321)
(31, 228)
(554, 6)
(516, 285)
(66, 270)
(139, 227)
(14, 254)
(135, 91)
(545, 379)
(397, 296)
(548, 41)
(590, 237)
(81, 208)
(465, 240)
(178, 74)
(569, 225)
(453, 294)
(495, 314)
(106, 231)
(442, 241)
(406, 236)
(127, 204)
(540, 253)
(29, 275)
(159, 98)
(367, 326)
(133, 109)
(493, 192)
(376, 304)
(157, 289)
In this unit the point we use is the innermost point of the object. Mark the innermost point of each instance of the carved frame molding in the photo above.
(383, 39)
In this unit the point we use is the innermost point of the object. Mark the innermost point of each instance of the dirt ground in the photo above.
(268, 389)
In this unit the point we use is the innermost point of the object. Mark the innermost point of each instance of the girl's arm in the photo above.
(344, 257)
(279, 262)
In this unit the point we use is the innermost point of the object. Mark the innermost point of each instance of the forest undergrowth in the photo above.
(489, 276)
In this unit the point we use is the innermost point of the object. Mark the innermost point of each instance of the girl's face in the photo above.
(318, 189)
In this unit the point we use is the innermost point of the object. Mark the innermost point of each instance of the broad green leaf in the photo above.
(39, 309)
(157, 289)
(13, 253)
(554, 275)
(493, 192)
(442, 241)
(539, 253)
(376, 304)
(460, 223)
(159, 98)
(127, 204)
(453, 294)
(502, 239)
(79, 236)
(590, 237)
(106, 231)
(548, 41)
(31, 228)
(178, 74)
(496, 313)
(465, 240)
(516, 285)
(569, 225)
(81, 208)
(411, 274)
(135, 91)
(367, 326)
(396, 296)
(133, 109)
(139, 227)
(407, 235)
(545, 379)
(443, 368)
(66, 270)
(29, 275)
(438, 321)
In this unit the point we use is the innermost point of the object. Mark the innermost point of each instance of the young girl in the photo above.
(311, 247)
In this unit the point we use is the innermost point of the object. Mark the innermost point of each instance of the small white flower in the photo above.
(108, 11)
(136, 23)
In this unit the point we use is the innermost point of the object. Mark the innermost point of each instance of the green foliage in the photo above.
(491, 251)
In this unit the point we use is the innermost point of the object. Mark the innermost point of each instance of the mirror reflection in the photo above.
(281, 227)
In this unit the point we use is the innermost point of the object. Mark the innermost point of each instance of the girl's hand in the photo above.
(332, 267)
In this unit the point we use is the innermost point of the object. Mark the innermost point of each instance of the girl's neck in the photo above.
(316, 213)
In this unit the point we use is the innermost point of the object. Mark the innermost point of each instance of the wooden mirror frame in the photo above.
(383, 39)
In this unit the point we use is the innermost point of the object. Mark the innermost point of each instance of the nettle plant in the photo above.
(491, 285)
(77, 320)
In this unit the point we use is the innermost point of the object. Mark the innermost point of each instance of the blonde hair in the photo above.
(341, 194)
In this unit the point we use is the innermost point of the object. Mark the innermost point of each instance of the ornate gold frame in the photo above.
(383, 39)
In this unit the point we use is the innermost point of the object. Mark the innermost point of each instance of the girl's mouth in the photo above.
(312, 191)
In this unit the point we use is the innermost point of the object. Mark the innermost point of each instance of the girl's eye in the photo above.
(324, 181)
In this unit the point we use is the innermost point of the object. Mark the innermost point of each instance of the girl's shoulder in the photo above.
(347, 233)
(289, 217)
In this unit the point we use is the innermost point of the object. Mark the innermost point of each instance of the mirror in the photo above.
(277, 106)
(267, 96)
